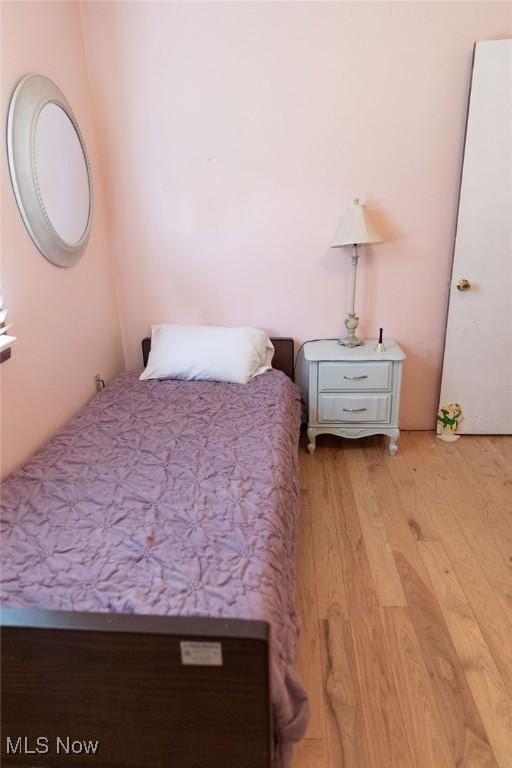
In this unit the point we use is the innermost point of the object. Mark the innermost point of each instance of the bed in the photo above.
(148, 580)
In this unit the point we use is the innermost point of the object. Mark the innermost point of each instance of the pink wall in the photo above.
(65, 319)
(235, 134)
(231, 138)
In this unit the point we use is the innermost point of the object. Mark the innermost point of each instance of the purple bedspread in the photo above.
(168, 497)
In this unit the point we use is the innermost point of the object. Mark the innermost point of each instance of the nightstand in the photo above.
(351, 392)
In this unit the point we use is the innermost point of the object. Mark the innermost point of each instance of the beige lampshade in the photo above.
(356, 228)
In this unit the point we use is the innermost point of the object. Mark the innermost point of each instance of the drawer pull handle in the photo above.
(354, 378)
(355, 410)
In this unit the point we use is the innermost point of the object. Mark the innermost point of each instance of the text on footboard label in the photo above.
(201, 653)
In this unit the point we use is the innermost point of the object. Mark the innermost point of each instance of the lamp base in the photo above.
(351, 341)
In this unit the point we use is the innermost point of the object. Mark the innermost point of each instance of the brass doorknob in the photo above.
(463, 284)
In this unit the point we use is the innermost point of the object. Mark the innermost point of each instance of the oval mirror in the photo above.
(62, 174)
(49, 169)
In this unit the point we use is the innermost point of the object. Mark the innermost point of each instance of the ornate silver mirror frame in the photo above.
(30, 173)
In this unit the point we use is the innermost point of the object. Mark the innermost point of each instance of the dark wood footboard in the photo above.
(132, 691)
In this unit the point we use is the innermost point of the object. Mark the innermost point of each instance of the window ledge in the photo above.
(6, 341)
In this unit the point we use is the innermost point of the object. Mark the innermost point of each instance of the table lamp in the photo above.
(355, 229)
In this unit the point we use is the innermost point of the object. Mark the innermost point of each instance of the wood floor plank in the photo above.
(494, 472)
(331, 594)
(386, 580)
(387, 741)
(309, 664)
(503, 445)
(460, 720)
(401, 535)
(421, 716)
(485, 445)
(422, 684)
(415, 509)
(458, 487)
(489, 691)
(481, 570)
(304, 469)
(310, 753)
(494, 520)
(346, 732)
(487, 460)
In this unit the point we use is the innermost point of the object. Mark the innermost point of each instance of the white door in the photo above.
(477, 368)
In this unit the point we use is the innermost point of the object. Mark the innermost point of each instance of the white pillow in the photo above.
(207, 352)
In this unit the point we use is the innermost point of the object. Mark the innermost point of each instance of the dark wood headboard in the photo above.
(283, 359)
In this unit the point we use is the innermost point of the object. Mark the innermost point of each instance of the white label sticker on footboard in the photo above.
(201, 653)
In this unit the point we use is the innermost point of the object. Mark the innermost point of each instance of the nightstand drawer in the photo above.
(354, 408)
(354, 376)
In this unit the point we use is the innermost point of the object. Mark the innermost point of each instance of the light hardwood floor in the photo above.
(405, 599)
